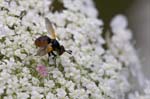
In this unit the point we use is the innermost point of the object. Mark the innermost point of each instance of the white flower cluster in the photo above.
(145, 95)
(91, 72)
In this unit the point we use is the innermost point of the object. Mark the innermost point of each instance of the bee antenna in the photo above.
(68, 51)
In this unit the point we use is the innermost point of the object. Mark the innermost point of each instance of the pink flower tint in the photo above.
(42, 70)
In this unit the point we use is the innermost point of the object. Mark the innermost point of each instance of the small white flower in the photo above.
(22, 95)
(2, 89)
(49, 83)
(61, 93)
(119, 22)
(50, 96)
(36, 95)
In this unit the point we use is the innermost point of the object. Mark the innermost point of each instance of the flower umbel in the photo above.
(92, 72)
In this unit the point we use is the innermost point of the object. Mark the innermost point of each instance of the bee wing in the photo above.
(50, 28)
(42, 51)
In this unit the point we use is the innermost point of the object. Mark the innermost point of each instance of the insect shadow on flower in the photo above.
(48, 44)
(56, 6)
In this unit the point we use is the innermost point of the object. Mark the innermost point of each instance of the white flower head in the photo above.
(119, 22)
(98, 68)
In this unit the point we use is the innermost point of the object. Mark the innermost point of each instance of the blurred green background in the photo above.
(138, 15)
(109, 8)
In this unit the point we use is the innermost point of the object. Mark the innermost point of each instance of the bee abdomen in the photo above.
(42, 41)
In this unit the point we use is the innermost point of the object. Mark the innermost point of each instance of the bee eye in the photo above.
(62, 50)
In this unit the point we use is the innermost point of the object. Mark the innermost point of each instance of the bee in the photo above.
(49, 45)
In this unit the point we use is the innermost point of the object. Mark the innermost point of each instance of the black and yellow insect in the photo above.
(49, 45)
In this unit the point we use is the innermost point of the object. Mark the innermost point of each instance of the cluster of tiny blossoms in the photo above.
(91, 72)
(144, 95)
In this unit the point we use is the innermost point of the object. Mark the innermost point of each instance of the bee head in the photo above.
(62, 50)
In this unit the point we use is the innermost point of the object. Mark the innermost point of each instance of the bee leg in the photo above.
(55, 56)
(54, 60)
(49, 54)
(51, 59)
